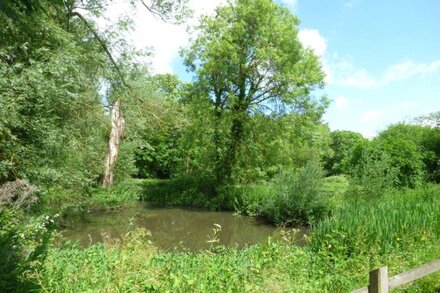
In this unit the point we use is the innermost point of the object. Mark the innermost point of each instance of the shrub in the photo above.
(299, 197)
(23, 244)
(374, 173)
(120, 195)
(248, 198)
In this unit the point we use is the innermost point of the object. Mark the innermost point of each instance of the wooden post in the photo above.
(379, 281)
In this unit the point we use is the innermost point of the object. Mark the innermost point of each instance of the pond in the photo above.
(171, 228)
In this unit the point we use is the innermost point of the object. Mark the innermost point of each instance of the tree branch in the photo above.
(153, 11)
(103, 45)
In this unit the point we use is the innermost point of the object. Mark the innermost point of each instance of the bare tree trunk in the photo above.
(116, 134)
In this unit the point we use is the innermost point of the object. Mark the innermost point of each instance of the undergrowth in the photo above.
(136, 265)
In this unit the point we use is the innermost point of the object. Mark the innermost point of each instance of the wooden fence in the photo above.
(380, 283)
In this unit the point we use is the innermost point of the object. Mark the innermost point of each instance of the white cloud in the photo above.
(371, 116)
(341, 103)
(312, 39)
(164, 38)
(408, 69)
(341, 71)
(360, 79)
(292, 4)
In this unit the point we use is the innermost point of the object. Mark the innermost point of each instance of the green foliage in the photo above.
(343, 145)
(248, 198)
(298, 198)
(276, 142)
(276, 266)
(431, 153)
(49, 98)
(398, 220)
(403, 144)
(430, 145)
(189, 191)
(156, 119)
(120, 195)
(411, 151)
(335, 185)
(246, 59)
(373, 174)
(23, 245)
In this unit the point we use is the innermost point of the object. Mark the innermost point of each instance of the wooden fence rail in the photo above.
(380, 283)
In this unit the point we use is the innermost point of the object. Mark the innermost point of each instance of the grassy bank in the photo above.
(298, 198)
(400, 230)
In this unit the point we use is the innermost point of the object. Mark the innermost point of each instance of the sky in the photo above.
(381, 58)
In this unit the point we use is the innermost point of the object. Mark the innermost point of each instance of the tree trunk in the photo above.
(237, 133)
(116, 134)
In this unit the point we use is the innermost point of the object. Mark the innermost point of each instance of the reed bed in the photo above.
(398, 219)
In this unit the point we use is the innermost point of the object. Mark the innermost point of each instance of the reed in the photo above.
(399, 218)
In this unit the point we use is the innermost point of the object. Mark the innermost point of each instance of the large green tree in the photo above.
(54, 63)
(50, 71)
(247, 59)
(344, 145)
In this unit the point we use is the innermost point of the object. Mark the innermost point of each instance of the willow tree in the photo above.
(246, 59)
(49, 96)
(172, 11)
(53, 59)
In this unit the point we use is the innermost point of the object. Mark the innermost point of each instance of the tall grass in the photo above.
(399, 219)
(135, 265)
(400, 230)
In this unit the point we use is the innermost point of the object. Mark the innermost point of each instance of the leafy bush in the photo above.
(298, 198)
(373, 174)
(23, 244)
(406, 148)
(335, 185)
(248, 198)
(120, 195)
(343, 144)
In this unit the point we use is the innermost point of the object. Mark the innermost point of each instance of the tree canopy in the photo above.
(247, 59)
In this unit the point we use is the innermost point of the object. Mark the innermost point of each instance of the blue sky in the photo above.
(382, 58)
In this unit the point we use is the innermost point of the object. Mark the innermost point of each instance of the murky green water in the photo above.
(171, 229)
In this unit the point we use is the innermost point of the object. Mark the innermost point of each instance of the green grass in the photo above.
(401, 230)
(118, 196)
(398, 219)
(136, 265)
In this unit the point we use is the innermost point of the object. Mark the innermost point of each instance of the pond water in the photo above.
(171, 229)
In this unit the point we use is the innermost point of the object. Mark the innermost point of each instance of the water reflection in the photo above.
(170, 228)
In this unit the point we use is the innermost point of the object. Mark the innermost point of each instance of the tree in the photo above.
(167, 10)
(48, 96)
(432, 120)
(344, 144)
(403, 143)
(151, 142)
(247, 59)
